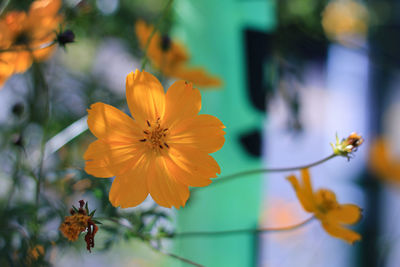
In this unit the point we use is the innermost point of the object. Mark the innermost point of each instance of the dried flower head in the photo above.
(347, 146)
(80, 221)
(36, 252)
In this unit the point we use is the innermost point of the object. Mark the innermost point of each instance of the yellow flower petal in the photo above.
(344, 214)
(130, 189)
(198, 76)
(182, 102)
(23, 61)
(304, 197)
(339, 231)
(105, 121)
(47, 8)
(145, 97)
(172, 60)
(203, 132)
(164, 189)
(194, 161)
(183, 173)
(113, 158)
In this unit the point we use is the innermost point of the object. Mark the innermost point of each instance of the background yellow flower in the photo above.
(171, 57)
(323, 204)
(25, 33)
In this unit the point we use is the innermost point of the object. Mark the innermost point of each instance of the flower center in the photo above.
(22, 38)
(155, 135)
(326, 200)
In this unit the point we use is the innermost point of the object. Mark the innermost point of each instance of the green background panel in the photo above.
(213, 32)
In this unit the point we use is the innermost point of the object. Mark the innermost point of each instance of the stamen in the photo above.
(165, 144)
(142, 140)
(161, 146)
(146, 132)
(166, 129)
(148, 123)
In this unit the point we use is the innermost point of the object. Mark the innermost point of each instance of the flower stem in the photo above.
(249, 230)
(176, 257)
(14, 177)
(227, 178)
(40, 82)
(153, 32)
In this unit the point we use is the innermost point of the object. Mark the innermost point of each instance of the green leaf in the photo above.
(86, 207)
(92, 213)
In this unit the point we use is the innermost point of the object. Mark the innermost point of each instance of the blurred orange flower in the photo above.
(325, 207)
(24, 34)
(36, 252)
(382, 162)
(163, 151)
(344, 18)
(171, 58)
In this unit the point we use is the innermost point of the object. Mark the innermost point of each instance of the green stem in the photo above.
(145, 239)
(14, 178)
(176, 257)
(153, 32)
(43, 85)
(227, 178)
(240, 231)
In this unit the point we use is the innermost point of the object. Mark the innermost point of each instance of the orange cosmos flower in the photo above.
(162, 151)
(24, 34)
(171, 58)
(325, 207)
(382, 162)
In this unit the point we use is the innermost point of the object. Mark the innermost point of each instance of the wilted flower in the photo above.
(80, 220)
(347, 146)
(324, 206)
(36, 252)
(162, 151)
(171, 57)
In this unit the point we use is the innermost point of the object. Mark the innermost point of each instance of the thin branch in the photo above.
(248, 230)
(43, 86)
(227, 178)
(177, 257)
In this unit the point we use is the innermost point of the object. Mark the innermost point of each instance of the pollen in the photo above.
(155, 135)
